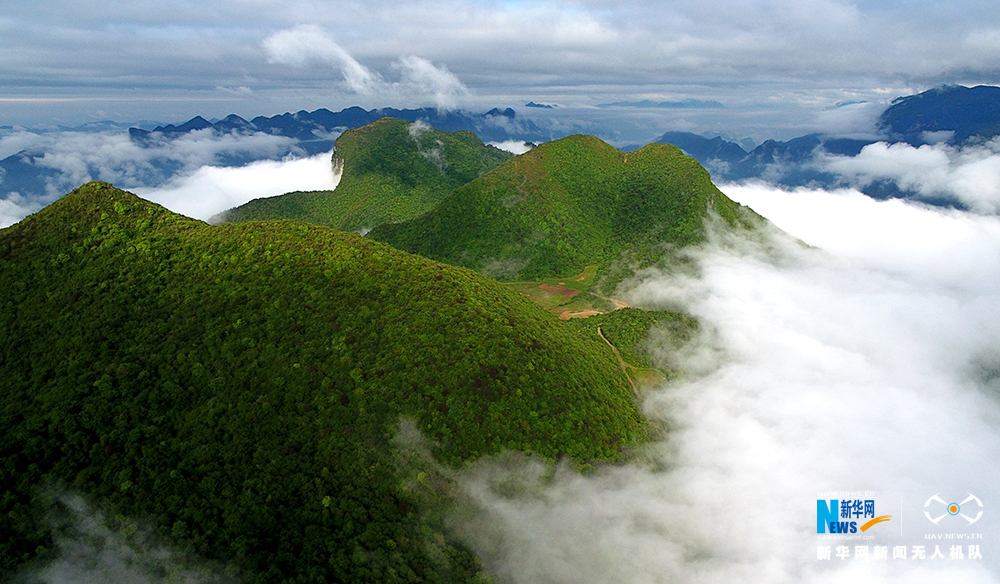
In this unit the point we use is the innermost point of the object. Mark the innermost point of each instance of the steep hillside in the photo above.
(239, 386)
(567, 204)
(393, 170)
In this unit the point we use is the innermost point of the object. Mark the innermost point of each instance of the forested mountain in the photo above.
(567, 204)
(393, 170)
(239, 386)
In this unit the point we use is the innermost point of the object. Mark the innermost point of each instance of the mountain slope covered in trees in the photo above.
(239, 386)
(567, 204)
(393, 170)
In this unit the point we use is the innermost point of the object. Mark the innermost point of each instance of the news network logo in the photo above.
(953, 509)
(841, 516)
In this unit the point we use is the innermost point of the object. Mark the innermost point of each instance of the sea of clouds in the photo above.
(198, 174)
(860, 353)
(968, 175)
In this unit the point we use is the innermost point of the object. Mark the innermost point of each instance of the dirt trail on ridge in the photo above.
(621, 361)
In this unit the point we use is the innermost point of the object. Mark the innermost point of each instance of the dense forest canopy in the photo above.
(240, 385)
(392, 170)
(567, 204)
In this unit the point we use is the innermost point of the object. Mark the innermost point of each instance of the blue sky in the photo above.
(779, 66)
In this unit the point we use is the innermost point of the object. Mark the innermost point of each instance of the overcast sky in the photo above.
(779, 64)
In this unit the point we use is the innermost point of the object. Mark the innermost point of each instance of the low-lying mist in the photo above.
(205, 171)
(866, 366)
(968, 175)
(211, 190)
(90, 547)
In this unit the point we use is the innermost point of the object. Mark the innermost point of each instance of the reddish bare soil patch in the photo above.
(567, 292)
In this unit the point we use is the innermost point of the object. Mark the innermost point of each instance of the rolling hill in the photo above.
(567, 204)
(240, 386)
(393, 170)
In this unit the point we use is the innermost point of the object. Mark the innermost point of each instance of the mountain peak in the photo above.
(393, 170)
(927, 116)
(100, 197)
(566, 204)
(95, 214)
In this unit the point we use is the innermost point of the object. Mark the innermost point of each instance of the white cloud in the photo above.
(969, 174)
(15, 207)
(427, 78)
(866, 365)
(512, 146)
(90, 548)
(856, 120)
(210, 190)
(305, 43)
(240, 91)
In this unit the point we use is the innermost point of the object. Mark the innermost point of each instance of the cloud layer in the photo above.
(771, 60)
(93, 549)
(211, 190)
(68, 159)
(866, 364)
(970, 174)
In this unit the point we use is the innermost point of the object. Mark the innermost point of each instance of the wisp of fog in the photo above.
(856, 356)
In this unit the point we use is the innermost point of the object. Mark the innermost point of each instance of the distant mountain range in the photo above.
(567, 204)
(949, 114)
(316, 131)
(564, 205)
(392, 170)
(952, 115)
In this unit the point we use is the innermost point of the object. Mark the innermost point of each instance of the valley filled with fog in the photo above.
(864, 361)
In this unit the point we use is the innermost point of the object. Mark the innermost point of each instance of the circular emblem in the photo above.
(952, 509)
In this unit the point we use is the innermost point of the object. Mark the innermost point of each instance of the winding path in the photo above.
(621, 361)
(619, 304)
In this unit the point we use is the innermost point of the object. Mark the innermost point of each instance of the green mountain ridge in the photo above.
(392, 170)
(567, 204)
(240, 385)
